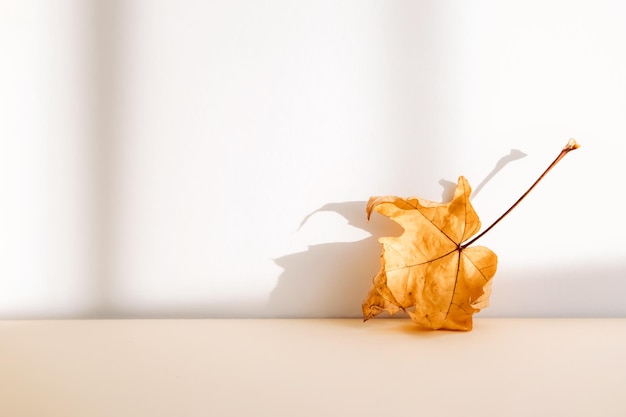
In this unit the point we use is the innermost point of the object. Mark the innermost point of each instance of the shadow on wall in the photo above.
(332, 279)
(596, 288)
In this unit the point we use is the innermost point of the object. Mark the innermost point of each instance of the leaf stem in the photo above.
(571, 145)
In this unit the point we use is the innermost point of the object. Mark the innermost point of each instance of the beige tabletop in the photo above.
(385, 367)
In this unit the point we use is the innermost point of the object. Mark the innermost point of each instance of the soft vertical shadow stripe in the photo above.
(105, 66)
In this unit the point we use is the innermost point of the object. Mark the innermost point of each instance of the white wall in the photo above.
(205, 159)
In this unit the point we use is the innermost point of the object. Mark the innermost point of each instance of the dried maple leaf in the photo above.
(427, 267)
(430, 271)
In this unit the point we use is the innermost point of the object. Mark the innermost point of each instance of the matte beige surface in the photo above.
(505, 367)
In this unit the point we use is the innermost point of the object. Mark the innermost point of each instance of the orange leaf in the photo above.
(426, 271)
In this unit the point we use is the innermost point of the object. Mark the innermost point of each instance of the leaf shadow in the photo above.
(408, 327)
(389, 325)
(331, 279)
